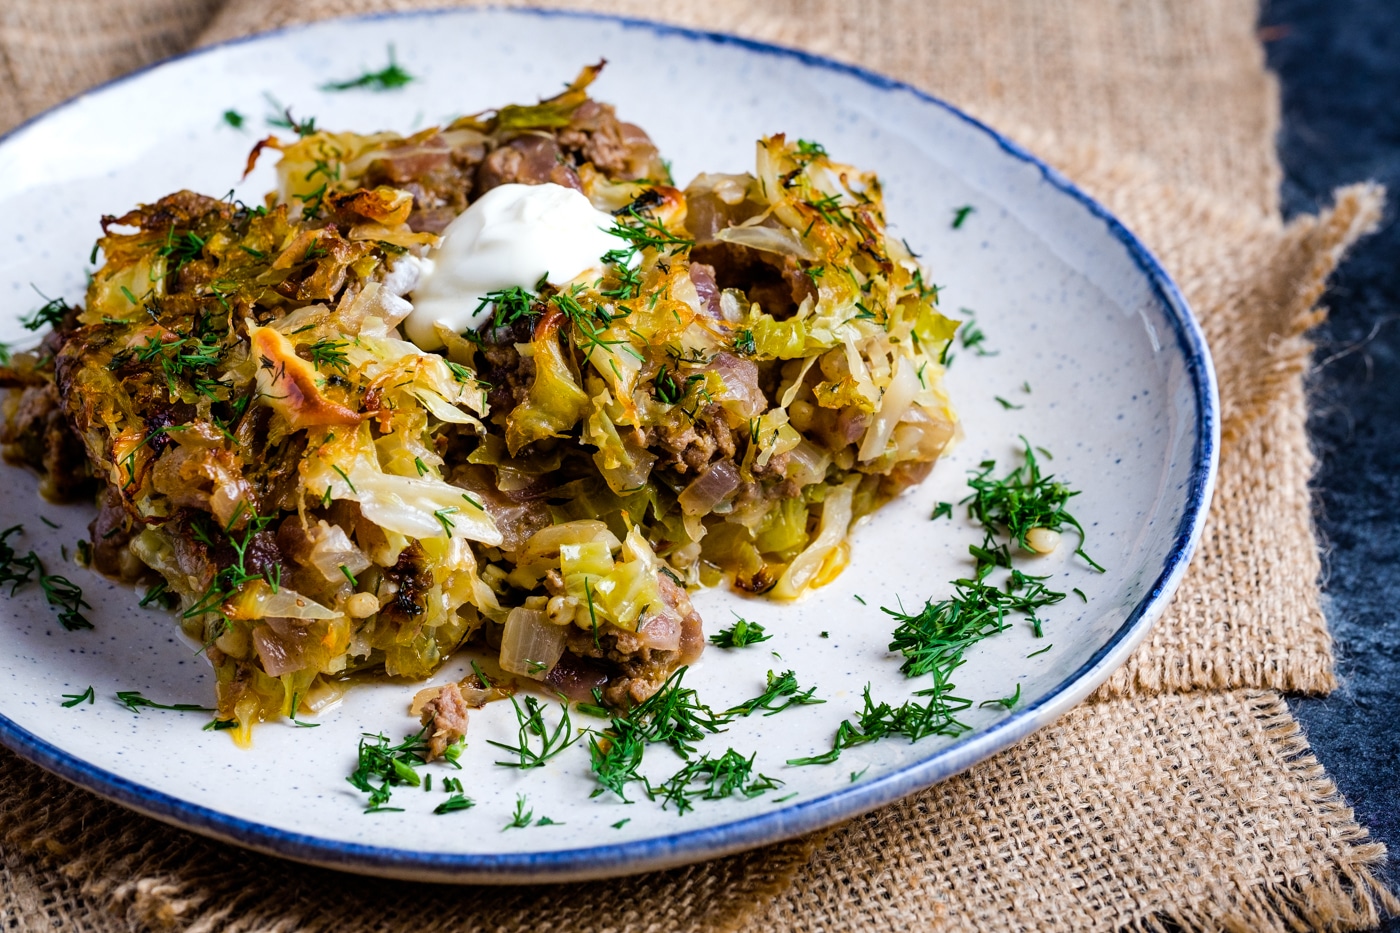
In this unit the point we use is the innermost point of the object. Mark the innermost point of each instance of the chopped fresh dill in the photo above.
(523, 818)
(709, 778)
(1022, 500)
(857, 775)
(454, 803)
(781, 692)
(942, 510)
(1041, 651)
(134, 701)
(960, 215)
(1009, 406)
(391, 77)
(1007, 702)
(71, 700)
(972, 336)
(912, 720)
(330, 354)
(674, 715)
(622, 822)
(234, 119)
(532, 726)
(741, 633)
(392, 765)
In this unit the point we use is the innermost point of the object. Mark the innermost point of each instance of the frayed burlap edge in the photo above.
(121, 870)
(1031, 840)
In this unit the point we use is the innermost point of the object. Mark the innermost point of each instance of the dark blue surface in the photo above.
(1339, 62)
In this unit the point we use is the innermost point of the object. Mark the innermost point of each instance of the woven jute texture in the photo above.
(1181, 796)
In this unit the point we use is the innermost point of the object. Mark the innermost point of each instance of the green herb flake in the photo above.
(1007, 702)
(960, 215)
(234, 119)
(392, 765)
(390, 77)
(532, 727)
(71, 700)
(782, 692)
(454, 803)
(134, 701)
(740, 634)
(709, 778)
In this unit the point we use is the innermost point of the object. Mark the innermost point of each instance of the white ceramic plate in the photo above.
(1122, 393)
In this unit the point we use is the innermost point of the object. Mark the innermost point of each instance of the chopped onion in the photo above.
(899, 395)
(257, 601)
(807, 463)
(530, 645)
(740, 377)
(282, 646)
(660, 630)
(709, 488)
(331, 549)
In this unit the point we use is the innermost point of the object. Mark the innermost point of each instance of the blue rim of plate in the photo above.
(797, 818)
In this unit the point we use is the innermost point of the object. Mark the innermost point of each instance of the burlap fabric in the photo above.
(1182, 796)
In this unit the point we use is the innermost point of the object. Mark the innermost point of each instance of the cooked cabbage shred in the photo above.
(755, 368)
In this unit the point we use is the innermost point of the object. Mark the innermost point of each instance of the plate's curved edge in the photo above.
(797, 818)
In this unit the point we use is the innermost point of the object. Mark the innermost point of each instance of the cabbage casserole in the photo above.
(754, 368)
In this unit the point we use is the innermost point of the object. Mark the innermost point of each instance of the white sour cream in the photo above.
(514, 235)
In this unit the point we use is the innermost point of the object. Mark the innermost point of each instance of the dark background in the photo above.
(1339, 65)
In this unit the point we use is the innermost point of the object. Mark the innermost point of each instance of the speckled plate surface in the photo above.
(1121, 391)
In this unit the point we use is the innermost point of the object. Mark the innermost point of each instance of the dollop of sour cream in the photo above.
(513, 235)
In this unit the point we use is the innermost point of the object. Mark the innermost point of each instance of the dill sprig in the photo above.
(709, 778)
(330, 354)
(741, 633)
(71, 700)
(65, 596)
(674, 715)
(532, 726)
(615, 758)
(60, 592)
(187, 247)
(454, 803)
(134, 701)
(15, 570)
(392, 765)
(50, 314)
(509, 305)
(389, 78)
(782, 692)
(1023, 500)
(641, 231)
(913, 720)
(523, 818)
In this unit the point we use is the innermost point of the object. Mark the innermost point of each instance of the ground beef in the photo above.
(442, 179)
(446, 716)
(687, 446)
(502, 367)
(526, 160)
(617, 149)
(110, 533)
(37, 435)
